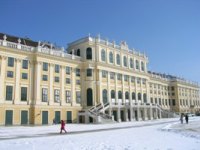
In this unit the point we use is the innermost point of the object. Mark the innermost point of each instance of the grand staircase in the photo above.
(167, 113)
(97, 113)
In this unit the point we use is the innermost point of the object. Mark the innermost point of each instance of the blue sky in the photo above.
(168, 31)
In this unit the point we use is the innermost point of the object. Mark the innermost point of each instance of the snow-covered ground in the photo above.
(164, 134)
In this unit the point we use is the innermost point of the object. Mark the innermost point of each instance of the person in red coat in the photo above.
(62, 126)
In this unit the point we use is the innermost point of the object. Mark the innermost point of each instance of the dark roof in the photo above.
(24, 41)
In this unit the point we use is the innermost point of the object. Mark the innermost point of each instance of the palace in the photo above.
(93, 80)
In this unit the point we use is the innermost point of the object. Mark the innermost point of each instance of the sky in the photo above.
(167, 31)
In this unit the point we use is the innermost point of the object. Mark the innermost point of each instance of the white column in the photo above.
(37, 83)
(150, 111)
(31, 83)
(17, 81)
(51, 80)
(123, 91)
(118, 115)
(130, 100)
(108, 87)
(2, 78)
(62, 83)
(116, 91)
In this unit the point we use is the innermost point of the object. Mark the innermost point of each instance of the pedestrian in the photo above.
(186, 118)
(181, 118)
(62, 126)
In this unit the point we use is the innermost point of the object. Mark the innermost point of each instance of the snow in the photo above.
(164, 134)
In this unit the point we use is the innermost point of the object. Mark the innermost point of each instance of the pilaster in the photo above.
(2, 78)
(17, 81)
(51, 78)
(62, 83)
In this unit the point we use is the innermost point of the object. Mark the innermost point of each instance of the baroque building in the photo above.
(94, 80)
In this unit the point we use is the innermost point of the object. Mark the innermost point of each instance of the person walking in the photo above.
(181, 118)
(186, 118)
(62, 126)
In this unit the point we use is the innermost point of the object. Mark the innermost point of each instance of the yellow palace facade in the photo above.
(93, 81)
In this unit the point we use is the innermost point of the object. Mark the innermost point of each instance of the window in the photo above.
(118, 59)
(144, 81)
(9, 92)
(56, 79)
(173, 102)
(111, 57)
(172, 88)
(103, 55)
(25, 64)
(139, 96)
(126, 95)
(133, 96)
(125, 61)
(119, 95)
(126, 78)
(132, 79)
(44, 77)
(77, 72)
(142, 66)
(155, 100)
(138, 80)
(78, 52)
(145, 97)
(104, 73)
(78, 97)
(10, 74)
(10, 62)
(78, 82)
(23, 93)
(68, 81)
(131, 63)
(119, 77)
(24, 76)
(159, 101)
(112, 94)
(105, 98)
(57, 68)
(89, 53)
(89, 72)
(112, 75)
(137, 65)
(45, 66)
(56, 95)
(68, 70)
(44, 94)
(68, 96)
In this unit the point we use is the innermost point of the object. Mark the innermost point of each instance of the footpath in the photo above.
(6, 133)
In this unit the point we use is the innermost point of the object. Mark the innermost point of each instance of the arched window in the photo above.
(137, 65)
(105, 98)
(131, 63)
(78, 52)
(118, 59)
(127, 95)
(133, 96)
(89, 53)
(111, 57)
(142, 66)
(103, 55)
(139, 96)
(119, 95)
(112, 94)
(145, 97)
(89, 97)
(125, 61)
